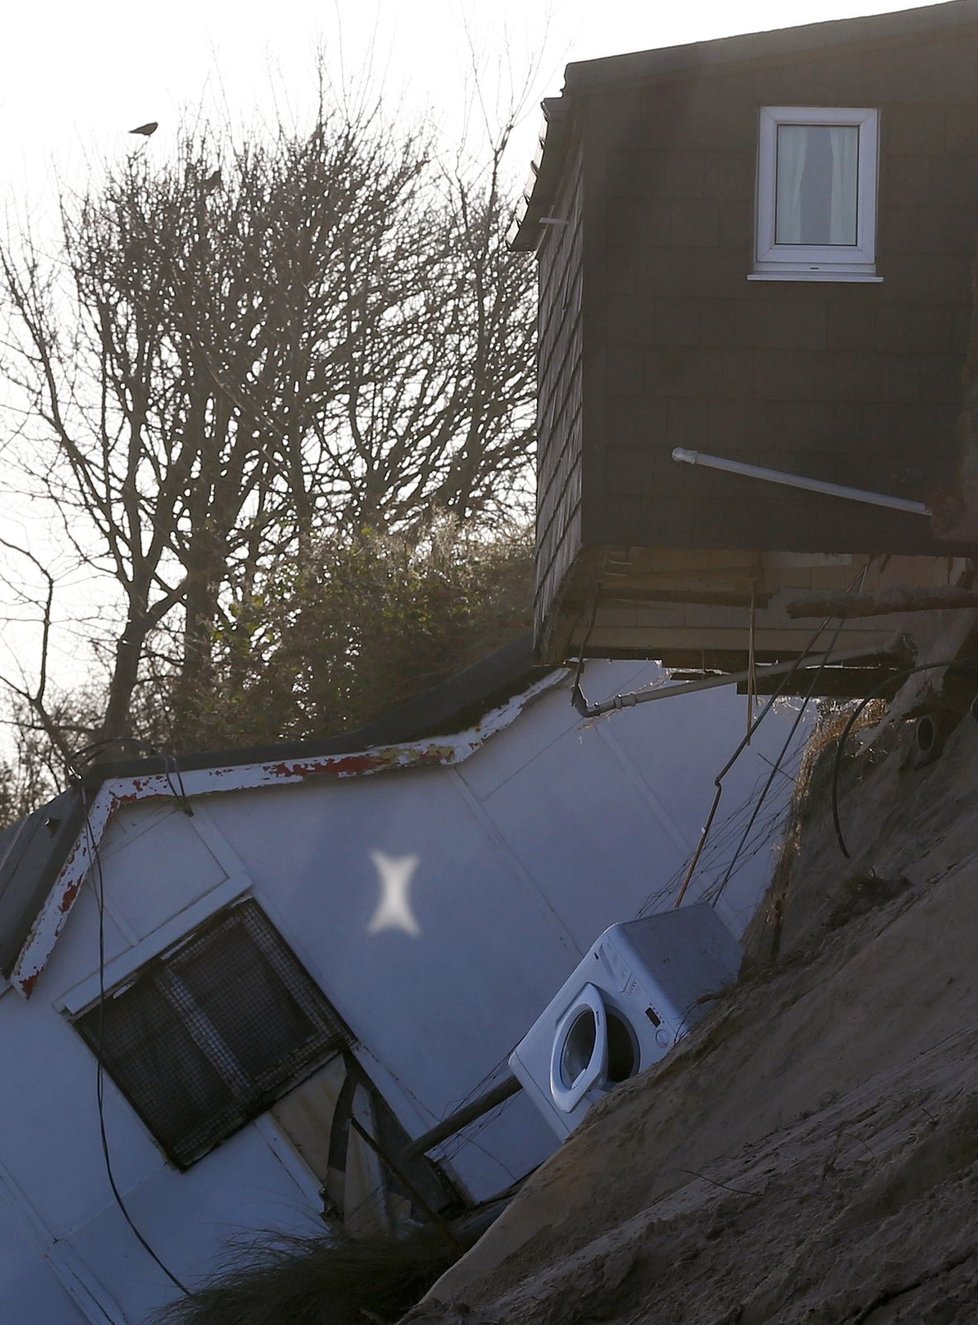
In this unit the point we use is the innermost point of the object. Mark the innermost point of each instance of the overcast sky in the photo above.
(74, 77)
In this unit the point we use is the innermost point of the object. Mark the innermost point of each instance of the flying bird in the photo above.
(147, 129)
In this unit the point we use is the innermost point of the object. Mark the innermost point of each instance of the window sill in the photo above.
(810, 274)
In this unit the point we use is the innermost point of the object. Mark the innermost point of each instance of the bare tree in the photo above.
(244, 352)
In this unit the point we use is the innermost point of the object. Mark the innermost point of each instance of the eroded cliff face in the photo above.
(810, 1153)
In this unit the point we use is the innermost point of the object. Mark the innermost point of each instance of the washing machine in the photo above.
(638, 991)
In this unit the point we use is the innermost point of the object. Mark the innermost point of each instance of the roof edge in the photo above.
(445, 708)
(667, 63)
(658, 64)
(66, 866)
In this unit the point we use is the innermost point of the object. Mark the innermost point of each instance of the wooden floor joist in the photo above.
(882, 603)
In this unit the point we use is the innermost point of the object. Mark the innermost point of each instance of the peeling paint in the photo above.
(446, 752)
(349, 764)
(376, 761)
(70, 893)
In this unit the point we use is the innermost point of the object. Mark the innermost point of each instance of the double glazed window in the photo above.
(211, 1032)
(816, 193)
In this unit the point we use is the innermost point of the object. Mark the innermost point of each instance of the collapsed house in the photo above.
(256, 982)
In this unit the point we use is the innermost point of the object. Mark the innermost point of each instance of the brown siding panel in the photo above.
(854, 383)
(560, 400)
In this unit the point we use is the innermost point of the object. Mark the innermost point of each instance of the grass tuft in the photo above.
(863, 893)
(309, 1281)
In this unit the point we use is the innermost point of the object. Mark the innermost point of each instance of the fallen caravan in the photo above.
(314, 954)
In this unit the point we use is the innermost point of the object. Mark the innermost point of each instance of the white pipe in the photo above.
(799, 481)
(626, 701)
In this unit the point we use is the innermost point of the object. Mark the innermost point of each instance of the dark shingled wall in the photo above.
(560, 399)
(853, 383)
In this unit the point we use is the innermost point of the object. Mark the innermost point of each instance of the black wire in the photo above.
(876, 692)
(763, 796)
(94, 747)
(171, 768)
(784, 750)
(577, 694)
(170, 763)
(718, 780)
(99, 880)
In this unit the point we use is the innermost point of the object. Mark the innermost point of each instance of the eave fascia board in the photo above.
(113, 794)
(541, 190)
(663, 64)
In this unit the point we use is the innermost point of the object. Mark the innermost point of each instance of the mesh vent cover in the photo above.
(210, 1033)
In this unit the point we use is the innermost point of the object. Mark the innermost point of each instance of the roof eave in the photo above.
(545, 175)
(668, 62)
(66, 867)
(671, 63)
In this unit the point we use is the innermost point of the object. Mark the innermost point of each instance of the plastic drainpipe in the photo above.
(799, 481)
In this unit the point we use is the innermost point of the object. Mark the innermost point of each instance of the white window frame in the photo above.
(816, 262)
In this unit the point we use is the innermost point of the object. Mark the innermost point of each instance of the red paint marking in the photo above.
(28, 983)
(146, 791)
(67, 901)
(331, 767)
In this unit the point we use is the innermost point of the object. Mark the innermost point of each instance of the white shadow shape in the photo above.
(394, 908)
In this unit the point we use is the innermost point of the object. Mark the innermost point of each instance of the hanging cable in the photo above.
(171, 768)
(720, 838)
(767, 787)
(790, 672)
(752, 657)
(577, 694)
(860, 579)
(99, 881)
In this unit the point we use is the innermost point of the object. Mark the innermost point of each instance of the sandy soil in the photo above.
(810, 1154)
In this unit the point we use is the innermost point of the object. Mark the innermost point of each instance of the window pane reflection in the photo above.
(817, 181)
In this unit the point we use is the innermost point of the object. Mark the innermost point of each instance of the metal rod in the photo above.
(799, 481)
(462, 1117)
(728, 678)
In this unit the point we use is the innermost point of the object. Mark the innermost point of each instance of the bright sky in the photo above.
(74, 77)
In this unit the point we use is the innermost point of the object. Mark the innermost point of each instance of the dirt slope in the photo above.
(810, 1154)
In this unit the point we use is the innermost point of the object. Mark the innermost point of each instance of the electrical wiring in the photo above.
(171, 768)
(99, 881)
(457, 1142)
(454, 1105)
(755, 844)
(876, 693)
(775, 769)
(718, 780)
(720, 838)
(718, 784)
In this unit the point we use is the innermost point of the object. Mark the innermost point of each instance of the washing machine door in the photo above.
(579, 1059)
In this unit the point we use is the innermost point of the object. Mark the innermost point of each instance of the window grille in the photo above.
(210, 1033)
